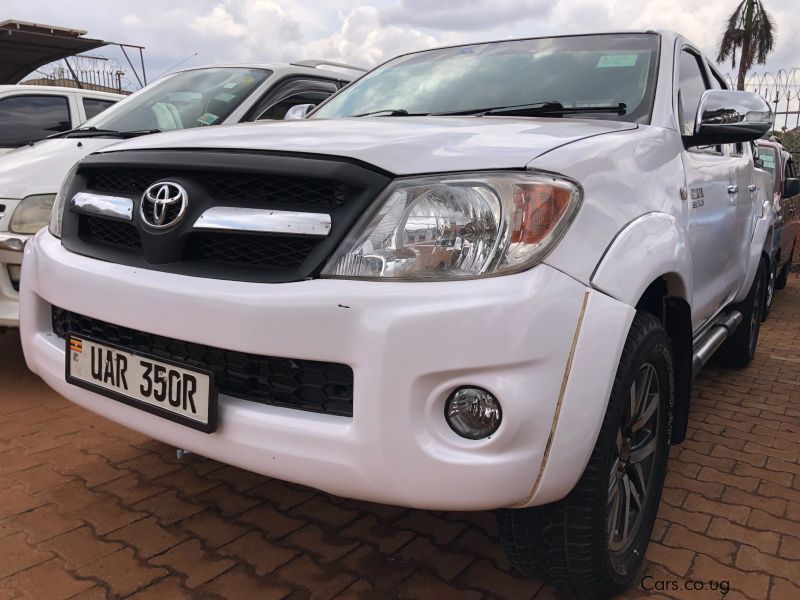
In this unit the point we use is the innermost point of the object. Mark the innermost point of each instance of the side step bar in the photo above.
(711, 340)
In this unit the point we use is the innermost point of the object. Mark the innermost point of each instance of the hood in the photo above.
(41, 167)
(399, 145)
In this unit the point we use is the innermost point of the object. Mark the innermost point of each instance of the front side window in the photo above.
(94, 106)
(30, 118)
(291, 93)
(574, 71)
(769, 162)
(692, 84)
(187, 99)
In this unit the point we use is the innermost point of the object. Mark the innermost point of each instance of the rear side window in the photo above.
(93, 106)
(26, 119)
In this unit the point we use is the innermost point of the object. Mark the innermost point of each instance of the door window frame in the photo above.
(701, 64)
(279, 92)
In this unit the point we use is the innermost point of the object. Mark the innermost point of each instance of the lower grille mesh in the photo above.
(109, 232)
(314, 386)
(271, 252)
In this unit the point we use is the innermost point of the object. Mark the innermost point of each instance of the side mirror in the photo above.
(730, 117)
(298, 112)
(791, 187)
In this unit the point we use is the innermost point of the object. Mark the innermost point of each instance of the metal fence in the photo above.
(88, 72)
(104, 81)
(781, 90)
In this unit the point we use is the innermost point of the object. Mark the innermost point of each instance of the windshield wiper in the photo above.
(555, 108)
(391, 112)
(94, 131)
(83, 132)
(549, 107)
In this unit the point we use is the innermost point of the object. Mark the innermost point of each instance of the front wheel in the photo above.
(593, 541)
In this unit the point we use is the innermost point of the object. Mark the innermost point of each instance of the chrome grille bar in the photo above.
(257, 220)
(106, 206)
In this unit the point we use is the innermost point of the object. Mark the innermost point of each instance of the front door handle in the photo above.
(752, 187)
(733, 189)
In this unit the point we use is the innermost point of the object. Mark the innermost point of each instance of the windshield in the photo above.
(187, 99)
(577, 72)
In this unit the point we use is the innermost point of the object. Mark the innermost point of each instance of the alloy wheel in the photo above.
(634, 457)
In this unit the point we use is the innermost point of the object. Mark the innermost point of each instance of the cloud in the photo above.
(369, 31)
(364, 40)
(218, 23)
(455, 15)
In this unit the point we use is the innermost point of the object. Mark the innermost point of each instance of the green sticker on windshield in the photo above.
(768, 160)
(207, 119)
(617, 60)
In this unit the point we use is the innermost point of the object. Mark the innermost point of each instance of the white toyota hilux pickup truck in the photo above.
(480, 277)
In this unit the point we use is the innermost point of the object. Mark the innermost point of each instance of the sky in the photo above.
(367, 33)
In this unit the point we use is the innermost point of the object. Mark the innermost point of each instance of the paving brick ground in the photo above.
(91, 510)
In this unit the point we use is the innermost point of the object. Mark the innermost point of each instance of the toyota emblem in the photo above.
(163, 205)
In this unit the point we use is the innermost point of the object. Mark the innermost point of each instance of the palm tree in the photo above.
(750, 29)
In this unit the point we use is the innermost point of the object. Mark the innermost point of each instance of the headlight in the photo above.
(459, 226)
(32, 213)
(57, 216)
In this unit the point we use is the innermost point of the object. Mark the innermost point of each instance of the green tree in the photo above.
(751, 31)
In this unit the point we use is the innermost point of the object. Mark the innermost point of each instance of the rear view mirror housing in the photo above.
(791, 187)
(730, 117)
(298, 112)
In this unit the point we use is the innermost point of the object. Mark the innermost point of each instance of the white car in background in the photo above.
(29, 113)
(211, 95)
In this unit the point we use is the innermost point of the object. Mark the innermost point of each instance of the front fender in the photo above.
(647, 248)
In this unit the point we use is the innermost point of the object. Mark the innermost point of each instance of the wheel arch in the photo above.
(624, 275)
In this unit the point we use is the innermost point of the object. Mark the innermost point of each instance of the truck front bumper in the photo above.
(541, 342)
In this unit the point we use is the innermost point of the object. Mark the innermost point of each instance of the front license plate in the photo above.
(160, 387)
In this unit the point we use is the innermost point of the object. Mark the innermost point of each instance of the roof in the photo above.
(25, 47)
(45, 89)
(282, 69)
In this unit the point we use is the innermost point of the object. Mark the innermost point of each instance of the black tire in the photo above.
(739, 349)
(572, 543)
(783, 276)
(769, 291)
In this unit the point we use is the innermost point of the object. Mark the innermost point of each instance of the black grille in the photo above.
(109, 232)
(335, 189)
(271, 252)
(229, 188)
(314, 386)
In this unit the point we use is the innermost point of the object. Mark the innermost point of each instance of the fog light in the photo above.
(473, 413)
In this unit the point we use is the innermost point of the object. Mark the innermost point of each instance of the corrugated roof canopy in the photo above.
(25, 47)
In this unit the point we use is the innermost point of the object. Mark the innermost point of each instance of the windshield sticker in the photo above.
(247, 80)
(617, 60)
(224, 97)
(208, 119)
(230, 85)
(768, 160)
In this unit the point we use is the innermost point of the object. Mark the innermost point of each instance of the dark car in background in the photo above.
(786, 198)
